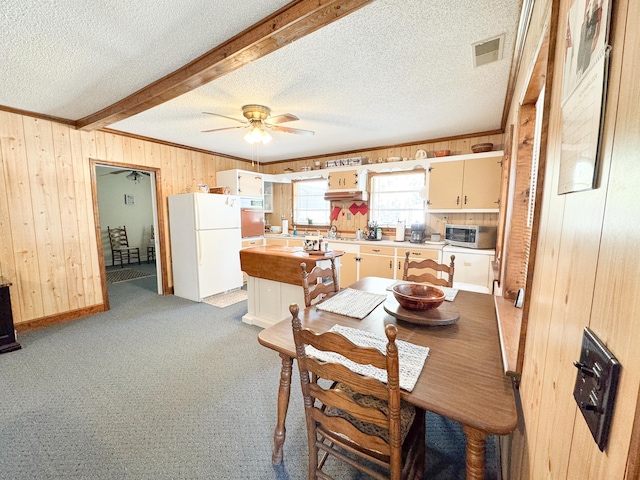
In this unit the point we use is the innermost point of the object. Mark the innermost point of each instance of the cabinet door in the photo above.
(276, 241)
(343, 180)
(250, 184)
(298, 242)
(376, 266)
(481, 186)
(268, 197)
(445, 185)
(252, 243)
(473, 271)
(348, 269)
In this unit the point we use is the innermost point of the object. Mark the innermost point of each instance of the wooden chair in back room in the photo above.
(428, 277)
(355, 418)
(120, 249)
(319, 282)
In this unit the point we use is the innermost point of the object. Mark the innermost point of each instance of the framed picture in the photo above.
(129, 199)
(584, 83)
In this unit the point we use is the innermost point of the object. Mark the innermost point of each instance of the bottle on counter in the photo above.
(295, 232)
(378, 233)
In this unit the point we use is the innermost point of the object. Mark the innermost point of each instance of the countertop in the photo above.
(383, 242)
(279, 263)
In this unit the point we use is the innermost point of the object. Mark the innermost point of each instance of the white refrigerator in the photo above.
(205, 244)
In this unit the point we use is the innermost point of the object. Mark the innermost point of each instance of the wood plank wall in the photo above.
(586, 274)
(48, 246)
(435, 222)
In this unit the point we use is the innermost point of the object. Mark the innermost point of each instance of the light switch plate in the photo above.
(596, 386)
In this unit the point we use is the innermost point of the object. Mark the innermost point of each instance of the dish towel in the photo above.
(411, 357)
(449, 293)
(352, 303)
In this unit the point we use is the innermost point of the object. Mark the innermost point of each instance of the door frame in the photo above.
(159, 219)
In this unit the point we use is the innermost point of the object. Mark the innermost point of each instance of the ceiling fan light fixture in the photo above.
(257, 134)
(134, 177)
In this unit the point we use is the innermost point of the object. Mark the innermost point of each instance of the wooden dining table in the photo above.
(462, 378)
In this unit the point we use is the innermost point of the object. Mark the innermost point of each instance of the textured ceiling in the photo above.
(394, 71)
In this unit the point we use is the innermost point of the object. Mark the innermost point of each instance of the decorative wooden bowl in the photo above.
(442, 153)
(417, 296)
(481, 147)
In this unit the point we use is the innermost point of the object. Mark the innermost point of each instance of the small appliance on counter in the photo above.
(471, 236)
(417, 233)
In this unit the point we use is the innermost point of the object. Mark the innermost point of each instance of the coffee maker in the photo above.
(417, 233)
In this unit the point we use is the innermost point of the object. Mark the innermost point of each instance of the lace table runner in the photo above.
(449, 293)
(411, 357)
(352, 303)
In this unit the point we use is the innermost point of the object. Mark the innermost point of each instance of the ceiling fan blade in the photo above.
(224, 116)
(225, 128)
(119, 172)
(285, 117)
(297, 131)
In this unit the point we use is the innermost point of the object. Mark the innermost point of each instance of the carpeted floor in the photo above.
(125, 274)
(163, 388)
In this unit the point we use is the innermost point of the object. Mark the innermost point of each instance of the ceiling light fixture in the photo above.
(134, 177)
(257, 133)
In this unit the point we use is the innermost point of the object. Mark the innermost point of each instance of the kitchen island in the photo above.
(275, 280)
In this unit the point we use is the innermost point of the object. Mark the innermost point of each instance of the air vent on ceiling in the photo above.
(487, 51)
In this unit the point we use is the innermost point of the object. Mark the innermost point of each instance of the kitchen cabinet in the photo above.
(472, 268)
(348, 269)
(347, 180)
(242, 182)
(254, 242)
(276, 241)
(377, 261)
(268, 197)
(465, 184)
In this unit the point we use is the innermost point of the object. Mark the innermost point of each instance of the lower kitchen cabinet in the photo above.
(472, 268)
(348, 269)
(377, 261)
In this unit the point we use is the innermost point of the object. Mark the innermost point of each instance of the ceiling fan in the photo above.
(258, 117)
(134, 175)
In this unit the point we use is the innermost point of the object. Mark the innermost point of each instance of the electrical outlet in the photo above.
(348, 216)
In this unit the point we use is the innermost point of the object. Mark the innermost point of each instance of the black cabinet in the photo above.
(8, 341)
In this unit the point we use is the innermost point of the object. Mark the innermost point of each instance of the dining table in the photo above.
(462, 378)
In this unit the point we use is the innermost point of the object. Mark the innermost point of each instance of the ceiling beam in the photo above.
(290, 23)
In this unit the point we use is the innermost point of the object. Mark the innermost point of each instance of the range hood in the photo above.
(354, 195)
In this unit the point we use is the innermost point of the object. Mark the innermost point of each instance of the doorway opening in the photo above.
(128, 196)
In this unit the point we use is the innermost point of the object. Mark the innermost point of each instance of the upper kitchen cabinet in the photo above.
(347, 180)
(465, 184)
(242, 182)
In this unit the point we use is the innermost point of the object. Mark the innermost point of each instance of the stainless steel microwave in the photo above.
(471, 236)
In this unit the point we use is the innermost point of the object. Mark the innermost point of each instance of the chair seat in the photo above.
(407, 413)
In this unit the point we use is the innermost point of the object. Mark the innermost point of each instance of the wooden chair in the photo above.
(427, 277)
(313, 289)
(358, 419)
(151, 249)
(120, 248)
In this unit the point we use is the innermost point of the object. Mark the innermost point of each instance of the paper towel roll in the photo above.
(400, 232)
(285, 226)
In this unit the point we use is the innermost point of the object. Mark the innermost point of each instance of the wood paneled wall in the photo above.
(586, 274)
(435, 222)
(48, 246)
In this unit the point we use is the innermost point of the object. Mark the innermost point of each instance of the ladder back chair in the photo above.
(151, 249)
(313, 282)
(356, 418)
(428, 277)
(120, 249)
